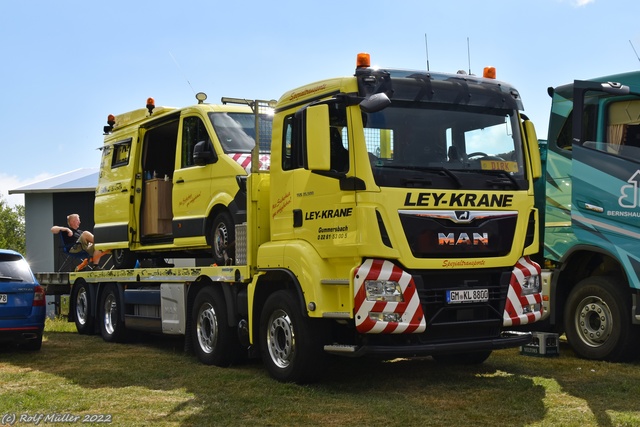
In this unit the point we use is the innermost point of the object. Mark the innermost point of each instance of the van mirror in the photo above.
(203, 154)
(317, 132)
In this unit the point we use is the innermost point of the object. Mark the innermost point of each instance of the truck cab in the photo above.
(169, 181)
(592, 206)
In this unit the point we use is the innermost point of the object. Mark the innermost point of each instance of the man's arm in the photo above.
(57, 229)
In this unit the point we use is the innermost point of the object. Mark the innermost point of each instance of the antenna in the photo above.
(183, 74)
(634, 50)
(469, 55)
(426, 46)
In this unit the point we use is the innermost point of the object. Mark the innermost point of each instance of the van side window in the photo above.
(193, 131)
(121, 152)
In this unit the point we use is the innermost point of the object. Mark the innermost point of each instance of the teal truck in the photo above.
(591, 254)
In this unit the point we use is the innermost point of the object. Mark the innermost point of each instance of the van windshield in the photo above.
(237, 131)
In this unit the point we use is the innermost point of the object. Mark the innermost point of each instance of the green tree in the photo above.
(12, 229)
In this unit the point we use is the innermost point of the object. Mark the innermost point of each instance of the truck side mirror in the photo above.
(374, 103)
(533, 149)
(317, 131)
(203, 154)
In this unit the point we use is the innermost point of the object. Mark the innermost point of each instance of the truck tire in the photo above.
(291, 345)
(222, 238)
(597, 320)
(123, 259)
(82, 309)
(112, 328)
(214, 342)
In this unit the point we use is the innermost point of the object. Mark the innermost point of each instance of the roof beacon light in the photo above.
(363, 60)
(489, 72)
(151, 104)
(111, 121)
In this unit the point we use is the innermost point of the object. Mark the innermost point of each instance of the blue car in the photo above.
(22, 303)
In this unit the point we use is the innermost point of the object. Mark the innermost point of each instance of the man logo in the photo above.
(463, 216)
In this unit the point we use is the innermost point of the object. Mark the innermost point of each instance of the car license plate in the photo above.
(467, 295)
(3, 298)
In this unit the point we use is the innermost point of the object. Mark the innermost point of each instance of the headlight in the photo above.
(531, 285)
(383, 290)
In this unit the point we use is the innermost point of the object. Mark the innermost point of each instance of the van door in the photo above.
(192, 183)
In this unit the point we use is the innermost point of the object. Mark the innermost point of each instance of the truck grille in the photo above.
(459, 234)
(451, 322)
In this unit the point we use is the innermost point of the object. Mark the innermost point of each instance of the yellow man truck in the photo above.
(396, 219)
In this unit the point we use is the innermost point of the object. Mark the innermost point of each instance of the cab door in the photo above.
(606, 181)
(192, 183)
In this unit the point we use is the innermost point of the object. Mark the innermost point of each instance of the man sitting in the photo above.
(76, 240)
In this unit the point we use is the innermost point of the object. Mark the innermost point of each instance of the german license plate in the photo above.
(3, 298)
(467, 295)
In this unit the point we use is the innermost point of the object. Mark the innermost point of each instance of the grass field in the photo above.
(152, 382)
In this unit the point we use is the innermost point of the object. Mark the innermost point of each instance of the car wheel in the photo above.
(33, 344)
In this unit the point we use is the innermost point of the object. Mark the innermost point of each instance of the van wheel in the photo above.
(123, 259)
(82, 309)
(222, 238)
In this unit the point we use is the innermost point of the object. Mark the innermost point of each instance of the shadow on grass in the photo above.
(516, 390)
(609, 390)
(354, 392)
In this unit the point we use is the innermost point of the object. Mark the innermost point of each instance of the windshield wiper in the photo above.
(10, 279)
(510, 181)
(432, 169)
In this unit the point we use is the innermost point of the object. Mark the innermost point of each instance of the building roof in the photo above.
(79, 180)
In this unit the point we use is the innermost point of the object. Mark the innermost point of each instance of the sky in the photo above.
(66, 65)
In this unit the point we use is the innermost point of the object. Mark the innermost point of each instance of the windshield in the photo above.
(445, 145)
(236, 131)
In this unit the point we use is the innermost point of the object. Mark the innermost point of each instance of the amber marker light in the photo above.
(151, 104)
(489, 72)
(363, 60)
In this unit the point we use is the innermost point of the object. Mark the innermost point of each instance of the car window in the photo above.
(14, 268)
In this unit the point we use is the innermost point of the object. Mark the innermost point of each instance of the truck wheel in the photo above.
(112, 328)
(290, 344)
(597, 320)
(82, 305)
(214, 342)
(222, 238)
(123, 259)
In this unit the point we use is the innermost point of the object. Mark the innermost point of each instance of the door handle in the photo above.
(180, 181)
